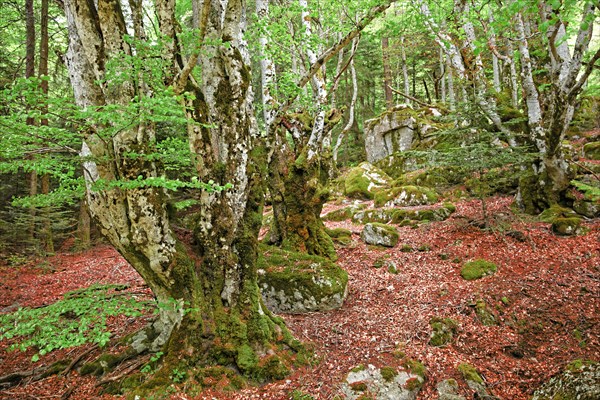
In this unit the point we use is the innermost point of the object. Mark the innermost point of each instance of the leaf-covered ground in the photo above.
(550, 314)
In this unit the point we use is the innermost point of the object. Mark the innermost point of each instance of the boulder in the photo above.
(374, 215)
(380, 234)
(475, 381)
(297, 283)
(566, 226)
(580, 380)
(590, 209)
(442, 331)
(477, 269)
(364, 181)
(591, 151)
(406, 196)
(381, 384)
(391, 132)
(448, 390)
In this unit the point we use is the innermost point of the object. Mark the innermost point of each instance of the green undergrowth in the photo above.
(79, 318)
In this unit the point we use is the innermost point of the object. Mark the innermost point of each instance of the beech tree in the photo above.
(210, 310)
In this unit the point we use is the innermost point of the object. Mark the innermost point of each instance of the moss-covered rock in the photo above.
(386, 382)
(556, 211)
(433, 178)
(591, 151)
(405, 196)
(296, 282)
(566, 226)
(380, 235)
(474, 380)
(477, 269)
(343, 214)
(587, 208)
(364, 181)
(374, 215)
(448, 390)
(484, 314)
(442, 331)
(340, 235)
(580, 380)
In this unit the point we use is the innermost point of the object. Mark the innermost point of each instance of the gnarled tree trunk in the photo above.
(211, 310)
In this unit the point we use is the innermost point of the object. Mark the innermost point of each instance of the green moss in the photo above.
(406, 248)
(578, 365)
(406, 196)
(469, 373)
(592, 150)
(416, 367)
(358, 386)
(291, 272)
(339, 215)
(246, 359)
(388, 373)
(389, 231)
(358, 368)
(550, 214)
(485, 316)
(566, 226)
(364, 181)
(105, 363)
(340, 235)
(442, 331)
(424, 247)
(477, 269)
(413, 384)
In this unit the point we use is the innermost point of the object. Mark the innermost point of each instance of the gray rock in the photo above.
(391, 132)
(402, 386)
(580, 381)
(448, 390)
(380, 235)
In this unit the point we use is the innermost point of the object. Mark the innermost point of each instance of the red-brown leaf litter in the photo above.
(545, 297)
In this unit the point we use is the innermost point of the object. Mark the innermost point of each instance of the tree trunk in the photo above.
(387, 73)
(210, 307)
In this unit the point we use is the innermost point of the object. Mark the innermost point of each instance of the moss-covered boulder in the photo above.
(296, 282)
(390, 132)
(364, 181)
(340, 235)
(556, 211)
(474, 380)
(442, 331)
(380, 235)
(580, 380)
(405, 196)
(566, 226)
(432, 178)
(477, 269)
(440, 213)
(343, 214)
(587, 208)
(484, 314)
(386, 382)
(448, 390)
(591, 151)
(380, 215)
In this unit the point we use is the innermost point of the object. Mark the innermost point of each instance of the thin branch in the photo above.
(422, 103)
(182, 77)
(586, 73)
(332, 51)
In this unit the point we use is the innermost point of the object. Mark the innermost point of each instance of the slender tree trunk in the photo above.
(350, 122)
(387, 72)
(30, 72)
(495, 65)
(442, 66)
(43, 74)
(405, 78)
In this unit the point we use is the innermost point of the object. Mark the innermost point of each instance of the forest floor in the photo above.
(550, 315)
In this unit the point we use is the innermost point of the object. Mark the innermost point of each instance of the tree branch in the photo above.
(333, 50)
(422, 103)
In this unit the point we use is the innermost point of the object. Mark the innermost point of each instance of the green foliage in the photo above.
(590, 192)
(299, 395)
(80, 317)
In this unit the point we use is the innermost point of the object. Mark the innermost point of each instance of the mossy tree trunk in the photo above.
(298, 188)
(210, 308)
(551, 111)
